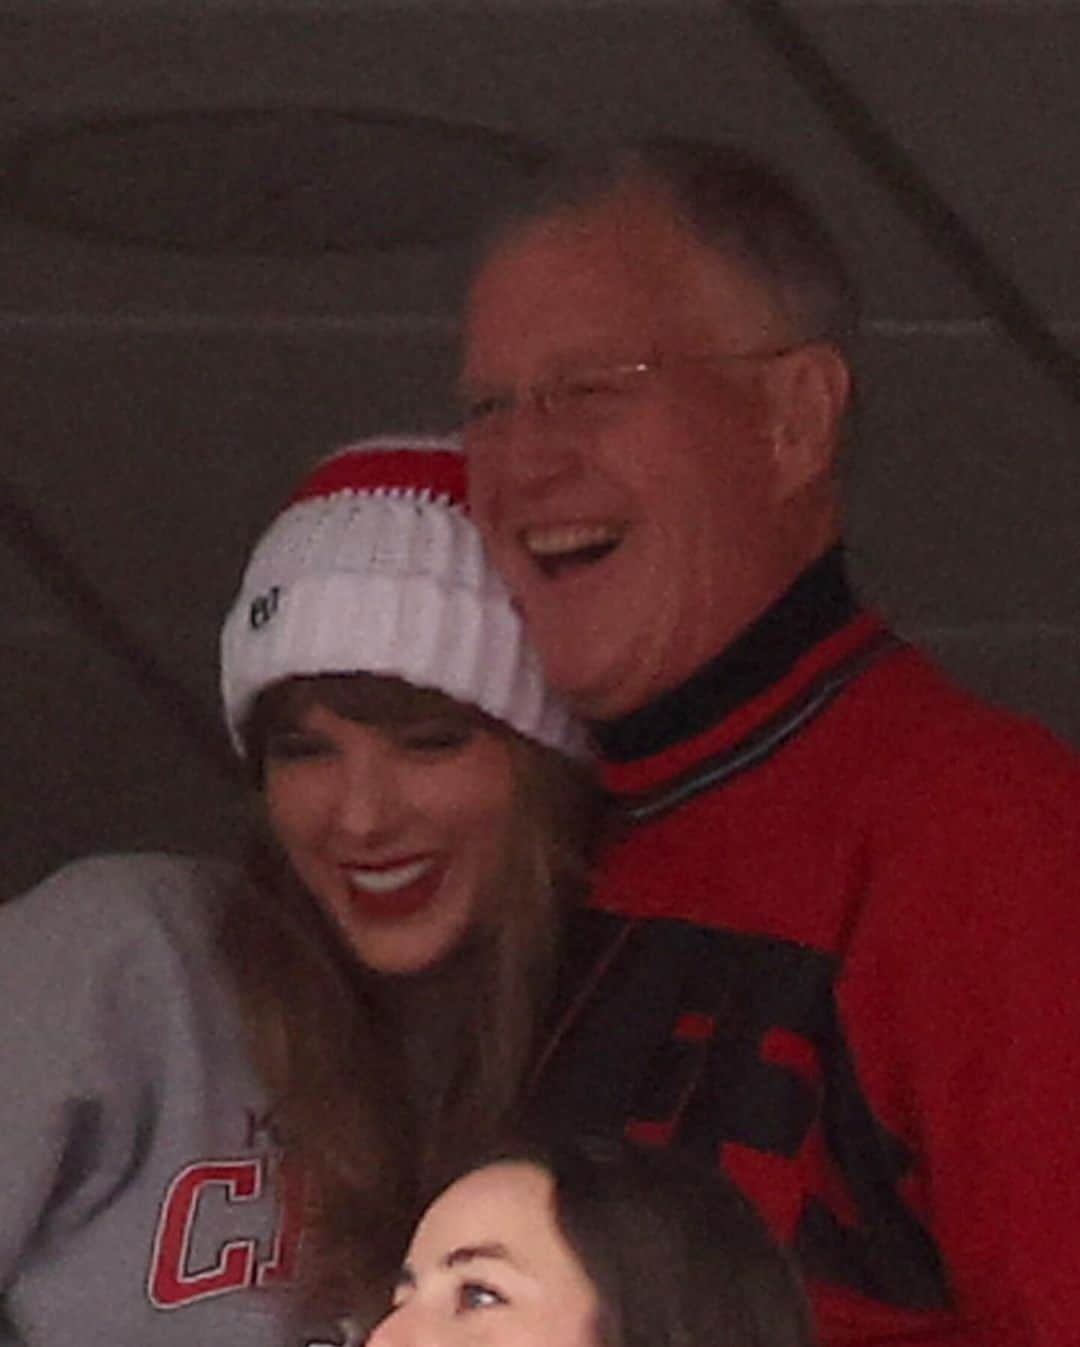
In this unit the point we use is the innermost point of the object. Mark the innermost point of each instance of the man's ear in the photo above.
(811, 386)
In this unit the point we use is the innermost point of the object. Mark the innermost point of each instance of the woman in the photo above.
(592, 1244)
(219, 1060)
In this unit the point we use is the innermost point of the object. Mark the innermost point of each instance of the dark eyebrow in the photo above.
(406, 1277)
(467, 1252)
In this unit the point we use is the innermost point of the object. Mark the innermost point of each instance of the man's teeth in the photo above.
(555, 540)
(388, 880)
(560, 547)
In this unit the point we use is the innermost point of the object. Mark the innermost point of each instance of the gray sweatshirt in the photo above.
(138, 1203)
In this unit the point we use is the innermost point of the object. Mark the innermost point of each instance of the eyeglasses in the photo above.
(592, 393)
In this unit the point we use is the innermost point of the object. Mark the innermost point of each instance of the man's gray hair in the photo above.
(733, 201)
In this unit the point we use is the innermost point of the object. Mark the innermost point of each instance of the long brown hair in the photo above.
(678, 1255)
(379, 1084)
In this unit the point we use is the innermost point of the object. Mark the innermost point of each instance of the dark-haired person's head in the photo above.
(594, 1245)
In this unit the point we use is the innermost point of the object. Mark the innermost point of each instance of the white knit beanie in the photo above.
(374, 567)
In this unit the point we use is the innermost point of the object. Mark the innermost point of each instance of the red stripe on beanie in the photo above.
(440, 472)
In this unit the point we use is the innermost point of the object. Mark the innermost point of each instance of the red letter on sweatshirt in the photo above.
(171, 1282)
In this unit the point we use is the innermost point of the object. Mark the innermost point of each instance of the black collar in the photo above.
(819, 603)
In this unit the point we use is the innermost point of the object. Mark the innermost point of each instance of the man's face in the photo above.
(634, 514)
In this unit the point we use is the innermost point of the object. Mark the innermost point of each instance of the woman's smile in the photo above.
(398, 831)
(395, 889)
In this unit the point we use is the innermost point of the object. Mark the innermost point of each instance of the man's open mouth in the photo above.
(558, 548)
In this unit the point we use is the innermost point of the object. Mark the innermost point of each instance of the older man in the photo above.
(835, 949)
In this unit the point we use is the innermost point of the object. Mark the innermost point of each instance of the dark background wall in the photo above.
(204, 284)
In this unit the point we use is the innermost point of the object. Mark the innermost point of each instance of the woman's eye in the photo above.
(477, 1296)
(295, 745)
(435, 737)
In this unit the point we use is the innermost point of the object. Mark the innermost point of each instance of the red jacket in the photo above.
(851, 973)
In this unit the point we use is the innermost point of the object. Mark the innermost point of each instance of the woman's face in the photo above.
(488, 1267)
(396, 831)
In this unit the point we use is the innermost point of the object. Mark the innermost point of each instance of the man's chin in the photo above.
(585, 688)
